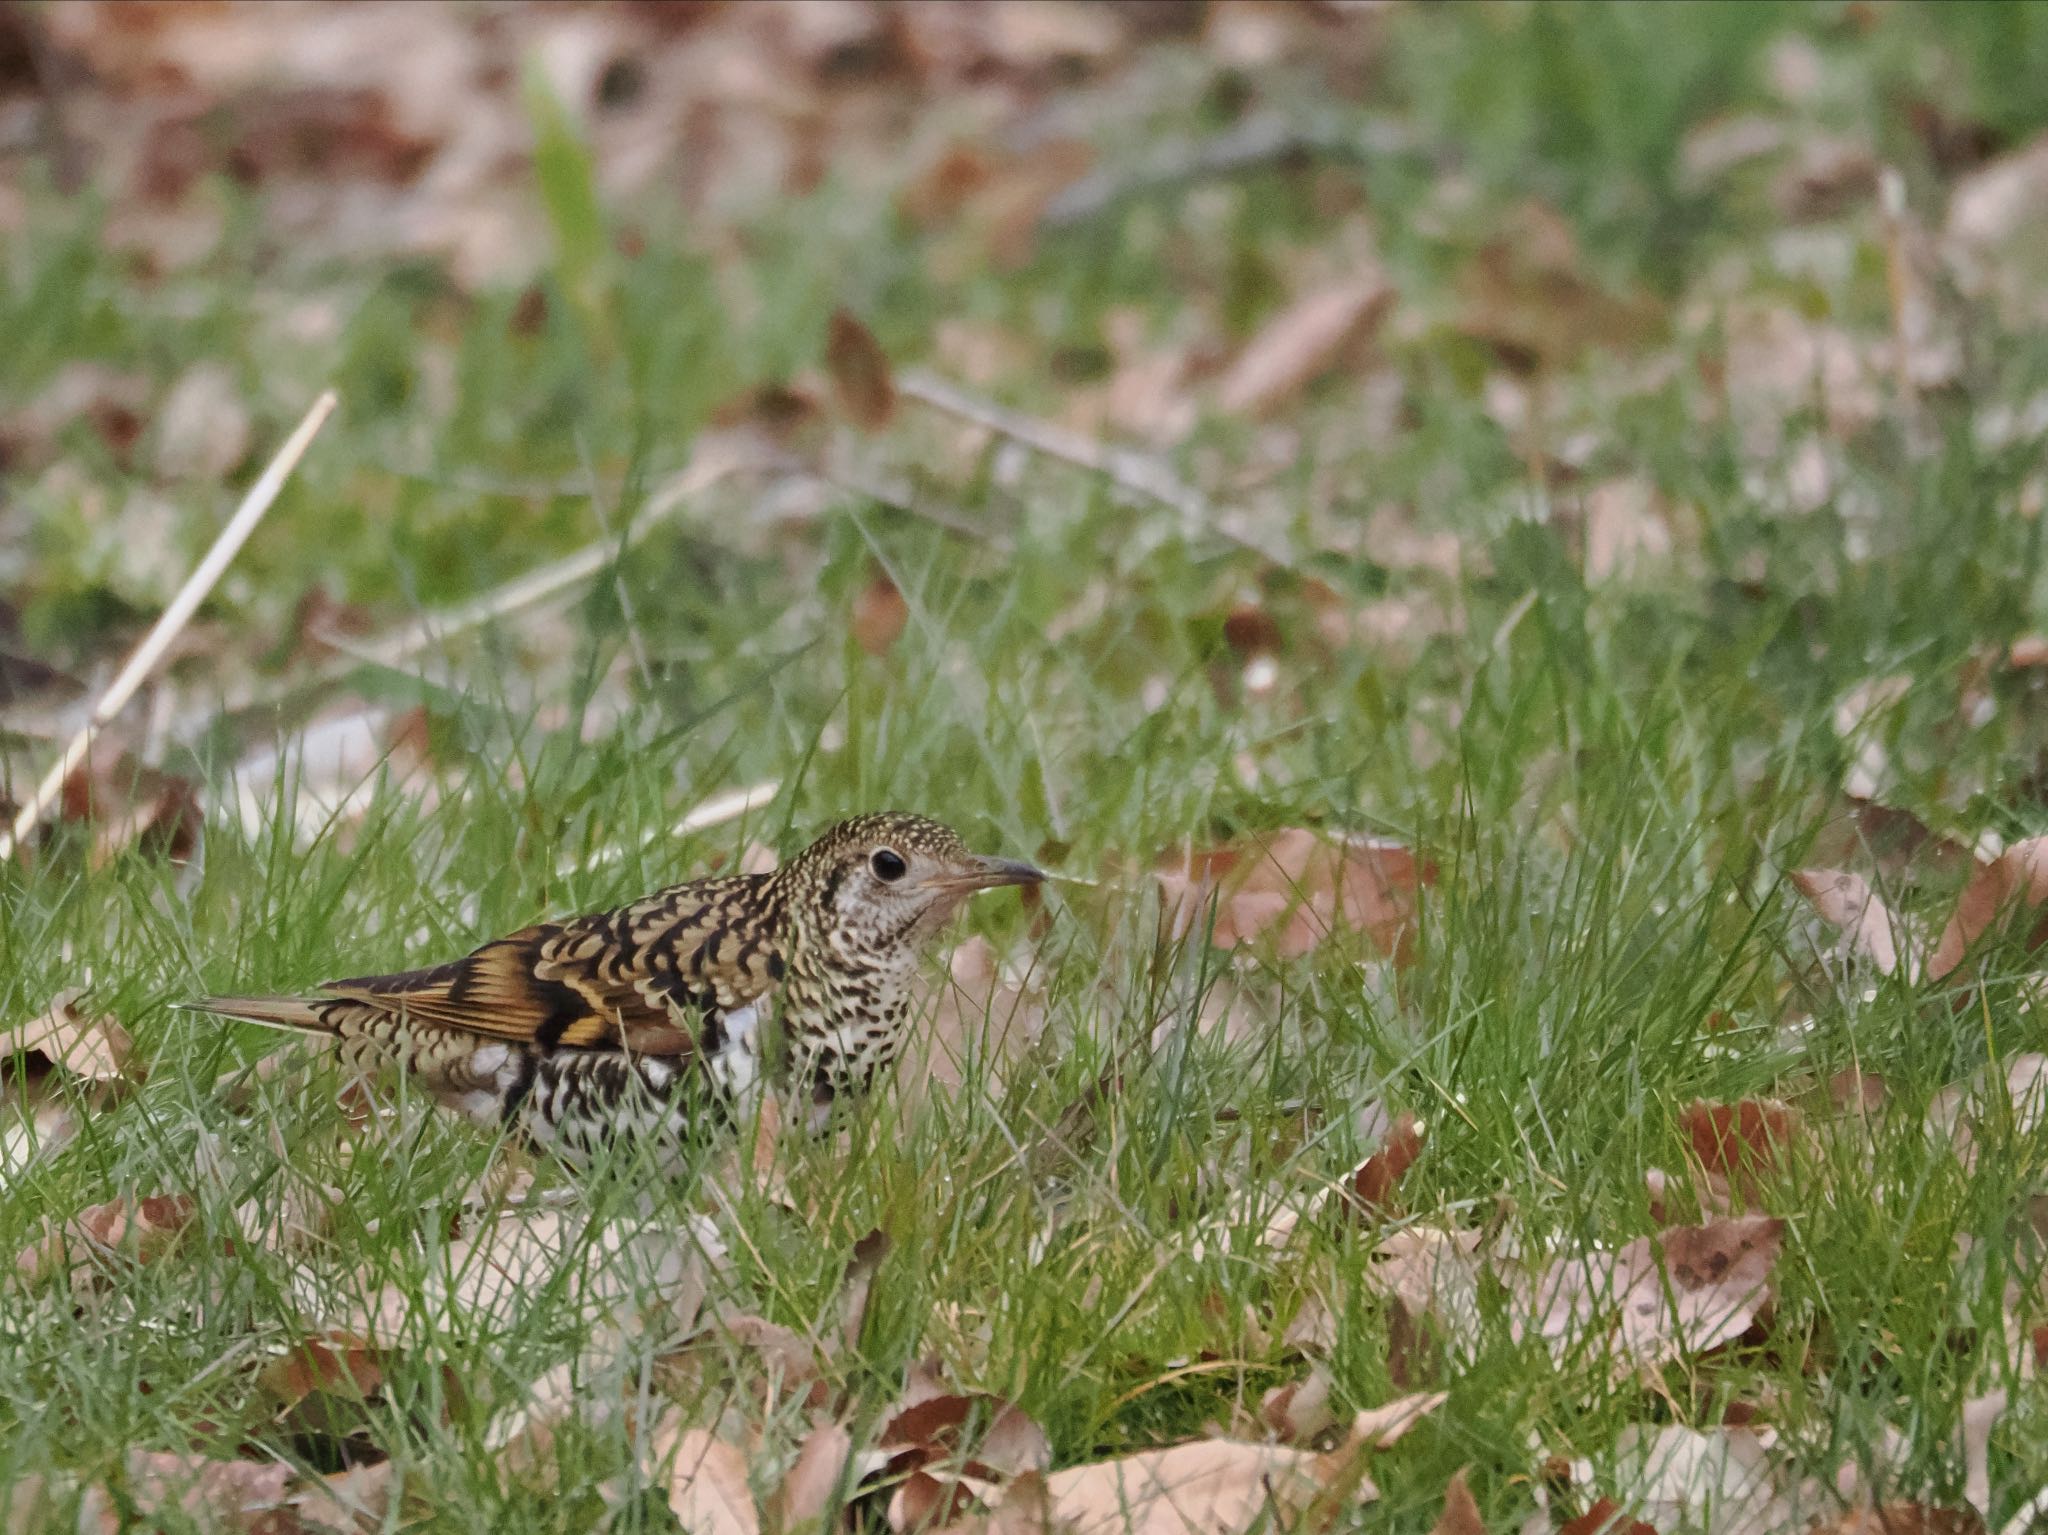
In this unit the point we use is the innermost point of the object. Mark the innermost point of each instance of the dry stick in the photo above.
(1137, 472)
(175, 617)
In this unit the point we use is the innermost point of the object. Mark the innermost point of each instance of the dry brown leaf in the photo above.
(214, 1494)
(868, 1254)
(1605, 1517)
(1299, 1411)
(806, 1491)
(331, 1363)
(1461, 1511)
(707, 1487)
(138, 1232)
(1209, 1487)
(879, 615)
(1686, 1290)
(352, 1502)
(1384, 1426)
(87, 1045)
(1904, 1519)
(1734, 1145)
(1432, 1272)
(1868, 928)
(1372, 1186)
(2015, 880)
(1299, 886)
(783, 1351)
(1723, 1481)
(1302, 343)
(862, 381)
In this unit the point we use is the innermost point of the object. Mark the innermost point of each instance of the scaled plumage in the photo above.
(645, 1019)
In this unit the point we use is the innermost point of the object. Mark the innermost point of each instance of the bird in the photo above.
(670, 1014)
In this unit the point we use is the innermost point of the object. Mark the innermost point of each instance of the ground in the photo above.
(1448, 527)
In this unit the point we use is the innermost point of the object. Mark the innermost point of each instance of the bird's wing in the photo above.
(631, 978)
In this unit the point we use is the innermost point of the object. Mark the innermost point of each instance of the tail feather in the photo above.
(296, 1014)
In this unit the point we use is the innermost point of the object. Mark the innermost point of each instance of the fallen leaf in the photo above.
(1300, 886)
(1904, 1519)
(1868, 928)
(707, 1487)
(1686, 1290)
(859, 369)
(868, 1254)
(352, 1502)
(2016, 880)
(879, 615)
(1209, 1487)
(1861, 717)
(1432, 1272)
(1302, 343)
(1719, 1481)
(1735, 1144)
(1372, 1185)
(330, 1363)
(135, 1232)
(214, 1494)
(1956, 1113)
(1605, 1518)
(1299, 1411)
(1461, 1511)
(87, 1045)
(806, 1491)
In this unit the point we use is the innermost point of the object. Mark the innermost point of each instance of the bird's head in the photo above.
(879, 886)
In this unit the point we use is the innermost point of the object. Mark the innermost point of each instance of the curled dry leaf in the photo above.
(1734, 1145)
(1686, 1290)
(86, 1044)
(806, 1492)
(1299, 1411)
(2016, 879)
(1372, 1186)
(140, 1231)
(1869, 930)
(707, 1485)
(334, 1363)
(1302, 343)
(1300, 887)
(861, 378)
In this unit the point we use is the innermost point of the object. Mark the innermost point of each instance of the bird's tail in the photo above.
(295, 1014)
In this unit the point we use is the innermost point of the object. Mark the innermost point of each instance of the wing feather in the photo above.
(634, 978)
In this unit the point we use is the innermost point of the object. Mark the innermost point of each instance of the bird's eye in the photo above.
(888, 865)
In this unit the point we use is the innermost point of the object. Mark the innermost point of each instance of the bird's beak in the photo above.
(979, 873)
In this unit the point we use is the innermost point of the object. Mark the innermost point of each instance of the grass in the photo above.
(1613, 778)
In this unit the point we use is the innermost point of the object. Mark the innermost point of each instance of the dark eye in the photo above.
(888, 865)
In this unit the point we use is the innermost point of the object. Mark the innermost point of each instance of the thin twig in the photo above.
(1139, 473)
(167, 628)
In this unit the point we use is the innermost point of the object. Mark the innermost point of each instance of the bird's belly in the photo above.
(736, 1067)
